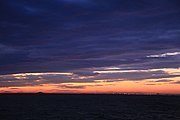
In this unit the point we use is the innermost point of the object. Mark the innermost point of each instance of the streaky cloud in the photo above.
(164, 55)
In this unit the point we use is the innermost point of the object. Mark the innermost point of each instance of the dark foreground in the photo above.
(89, 107)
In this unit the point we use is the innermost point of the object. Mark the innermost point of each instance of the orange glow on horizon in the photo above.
(114, 87)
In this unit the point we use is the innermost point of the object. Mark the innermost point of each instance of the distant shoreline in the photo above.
(115, 94)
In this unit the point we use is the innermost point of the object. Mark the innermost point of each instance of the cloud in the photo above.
(79, 37)
(164, 55)
(151, 84)
(72, 86)
(177, 82)
(91, 76)
(14, 88)
(163, 81)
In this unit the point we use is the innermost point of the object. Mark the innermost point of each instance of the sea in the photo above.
(89, 107)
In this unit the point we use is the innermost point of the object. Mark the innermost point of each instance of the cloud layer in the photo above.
(80, 36)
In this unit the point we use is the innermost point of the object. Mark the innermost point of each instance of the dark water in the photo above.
(89, 107)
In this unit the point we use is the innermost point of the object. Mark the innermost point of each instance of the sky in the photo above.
(90, 46)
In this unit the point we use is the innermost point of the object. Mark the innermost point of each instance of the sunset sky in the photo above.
(90, 46)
